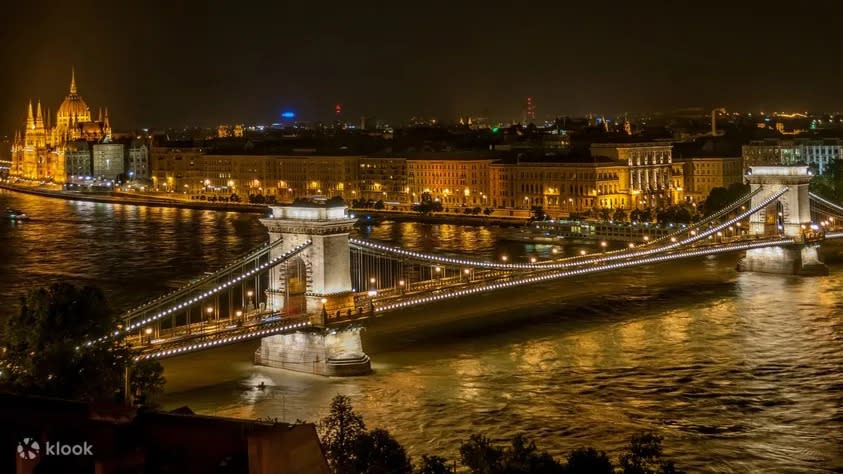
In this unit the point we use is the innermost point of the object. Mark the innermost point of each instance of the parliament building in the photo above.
(42, 151)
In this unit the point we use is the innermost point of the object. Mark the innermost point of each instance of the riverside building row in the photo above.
(611, 176)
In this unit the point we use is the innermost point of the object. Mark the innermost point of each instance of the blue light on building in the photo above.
(289, 115)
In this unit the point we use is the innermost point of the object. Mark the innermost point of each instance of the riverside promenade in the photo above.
(141, 199)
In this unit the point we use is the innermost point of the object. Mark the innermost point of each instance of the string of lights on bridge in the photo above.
(218, 342)
(583, 271)
(559, 265)
(218, 288)
(257, 253)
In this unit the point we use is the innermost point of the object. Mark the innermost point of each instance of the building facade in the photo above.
(108, 161)
(702, 174)
(650, 170)
(137, 161)
(40, 152)
(819, 154)
(454, 181)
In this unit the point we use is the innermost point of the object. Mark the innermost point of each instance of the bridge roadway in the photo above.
(254, 325)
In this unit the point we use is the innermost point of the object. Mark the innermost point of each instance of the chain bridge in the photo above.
(309, 291)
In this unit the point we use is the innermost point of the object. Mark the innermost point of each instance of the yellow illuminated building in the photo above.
(39, 153)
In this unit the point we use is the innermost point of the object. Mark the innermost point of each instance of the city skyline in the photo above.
(176, 66)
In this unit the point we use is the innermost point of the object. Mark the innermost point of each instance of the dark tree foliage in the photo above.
(480, 456)
(434, 465)
(523, 457)
(45, 351)
(619, 215)
(377, 452)
(147, 381)
(339, 433)
(588, 461)
(537, 213)
(644, 456)
(719, 198)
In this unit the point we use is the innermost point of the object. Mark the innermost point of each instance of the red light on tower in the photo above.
(531, 110)
(338, 109)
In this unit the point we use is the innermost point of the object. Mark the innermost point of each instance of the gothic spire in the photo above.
(30, 121)
(72, 80)
(39, 119)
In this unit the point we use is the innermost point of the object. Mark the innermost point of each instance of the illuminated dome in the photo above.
(74, 107)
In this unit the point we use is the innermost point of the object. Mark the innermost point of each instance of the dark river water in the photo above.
(738, 372)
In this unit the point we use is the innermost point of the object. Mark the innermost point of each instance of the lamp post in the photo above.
(239, 315)
(148, 332)
(250, 305)
(372, 294)
(210, 311)
(401, 285)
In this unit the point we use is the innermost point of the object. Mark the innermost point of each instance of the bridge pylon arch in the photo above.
(327, 288)
(787, 216)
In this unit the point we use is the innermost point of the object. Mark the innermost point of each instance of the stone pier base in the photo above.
(791, 260)
(320, 351)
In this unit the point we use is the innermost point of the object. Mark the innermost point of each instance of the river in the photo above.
(738, 372)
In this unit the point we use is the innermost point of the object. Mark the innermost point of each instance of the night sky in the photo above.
(161, 65)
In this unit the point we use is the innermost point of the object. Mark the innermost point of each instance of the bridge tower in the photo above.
(787, 216)
(316, 282)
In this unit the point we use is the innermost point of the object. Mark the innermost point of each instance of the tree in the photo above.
(488, 211)
(339, 433)
(537, 213)
(643, 456)
(147, 381)
(377, 452)
(379, 205)
(605, 213)
(588, 461)
(523, 457)
(619, 215)
(434, 465)
(480, 456)
(47, 351)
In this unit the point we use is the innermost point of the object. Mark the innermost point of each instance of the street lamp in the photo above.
(251, 305)
(239, 314)
(504, 258)
(582, 252)
(532, 259)
(210, 312)
(148, 335)
(603, 245)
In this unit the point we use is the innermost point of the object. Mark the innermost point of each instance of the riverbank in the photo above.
(140, 200)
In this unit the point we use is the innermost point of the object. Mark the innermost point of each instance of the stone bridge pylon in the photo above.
(787, 216)
(317, 281)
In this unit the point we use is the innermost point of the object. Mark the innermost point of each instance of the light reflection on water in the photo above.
(739, 372)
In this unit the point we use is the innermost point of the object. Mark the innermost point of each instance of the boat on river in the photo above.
(16, 214)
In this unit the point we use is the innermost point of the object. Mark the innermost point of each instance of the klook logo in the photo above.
(30, 449)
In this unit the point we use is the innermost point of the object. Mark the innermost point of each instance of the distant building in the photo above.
(77, 160)
(650, 169)
(819, 154)
(702, 174)
(108, 161)
(138, 161)
(38, 153)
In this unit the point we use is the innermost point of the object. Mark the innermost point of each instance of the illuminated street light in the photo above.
(582, 252)
(532, 259)
(149, 335)
(503, 257)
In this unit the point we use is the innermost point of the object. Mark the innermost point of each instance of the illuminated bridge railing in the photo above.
(571, 262)
(717, 215)
(190, 299)
(255, 254)
(515, 280)
(207, 341)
